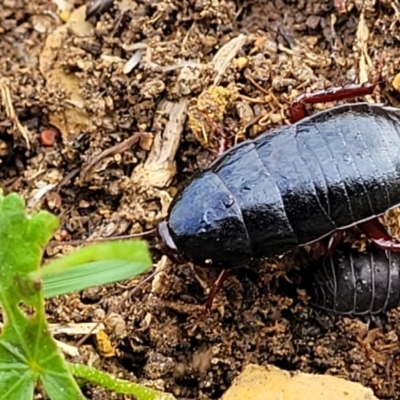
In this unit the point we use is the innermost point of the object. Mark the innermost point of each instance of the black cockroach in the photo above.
(356, 284)
(292, 186)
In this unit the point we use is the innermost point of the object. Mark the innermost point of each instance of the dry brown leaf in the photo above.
(73, 119)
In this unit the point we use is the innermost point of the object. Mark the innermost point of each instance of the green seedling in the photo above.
(28, 353)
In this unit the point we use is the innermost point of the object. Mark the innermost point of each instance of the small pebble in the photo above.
(48, 137)
(62, 235)
(340, 6)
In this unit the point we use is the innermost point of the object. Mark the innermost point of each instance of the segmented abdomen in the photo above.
(298, 183)
(353, 283)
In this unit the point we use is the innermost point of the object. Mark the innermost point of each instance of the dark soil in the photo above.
(288, 47)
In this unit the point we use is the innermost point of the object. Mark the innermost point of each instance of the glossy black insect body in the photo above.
(354, 283)
(291, 186)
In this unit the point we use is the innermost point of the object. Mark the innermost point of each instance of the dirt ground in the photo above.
(142, 66)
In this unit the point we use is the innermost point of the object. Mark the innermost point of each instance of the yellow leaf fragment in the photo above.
(206, 113)
(103, 345)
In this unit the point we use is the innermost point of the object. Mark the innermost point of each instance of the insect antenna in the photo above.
(150, 233)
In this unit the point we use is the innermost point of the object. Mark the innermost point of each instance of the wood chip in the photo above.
(225, 55)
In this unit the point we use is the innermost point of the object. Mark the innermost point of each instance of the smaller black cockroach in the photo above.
(97, 7)
(356, 284)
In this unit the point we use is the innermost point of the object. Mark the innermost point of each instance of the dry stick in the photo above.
(118, 148)
(251, 100)
(160, 166)
(6, 97)
(249, 77)
(68, 178)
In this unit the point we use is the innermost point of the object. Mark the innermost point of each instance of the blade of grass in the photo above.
(117, 385)
(89, 275)
(134, 250)
(95, 265)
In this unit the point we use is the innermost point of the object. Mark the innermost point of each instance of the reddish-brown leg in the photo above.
(224, 138)
(335, 240)
(298, 109)
(217, 285)
(224, 143)
(326, 246)
(376, 232)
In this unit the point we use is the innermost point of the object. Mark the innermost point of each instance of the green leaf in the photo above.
(28, 352)
(94, 265)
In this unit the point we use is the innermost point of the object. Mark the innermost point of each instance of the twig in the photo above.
(250, 78)
(6, 98)
(90, 328)
(118, 148)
